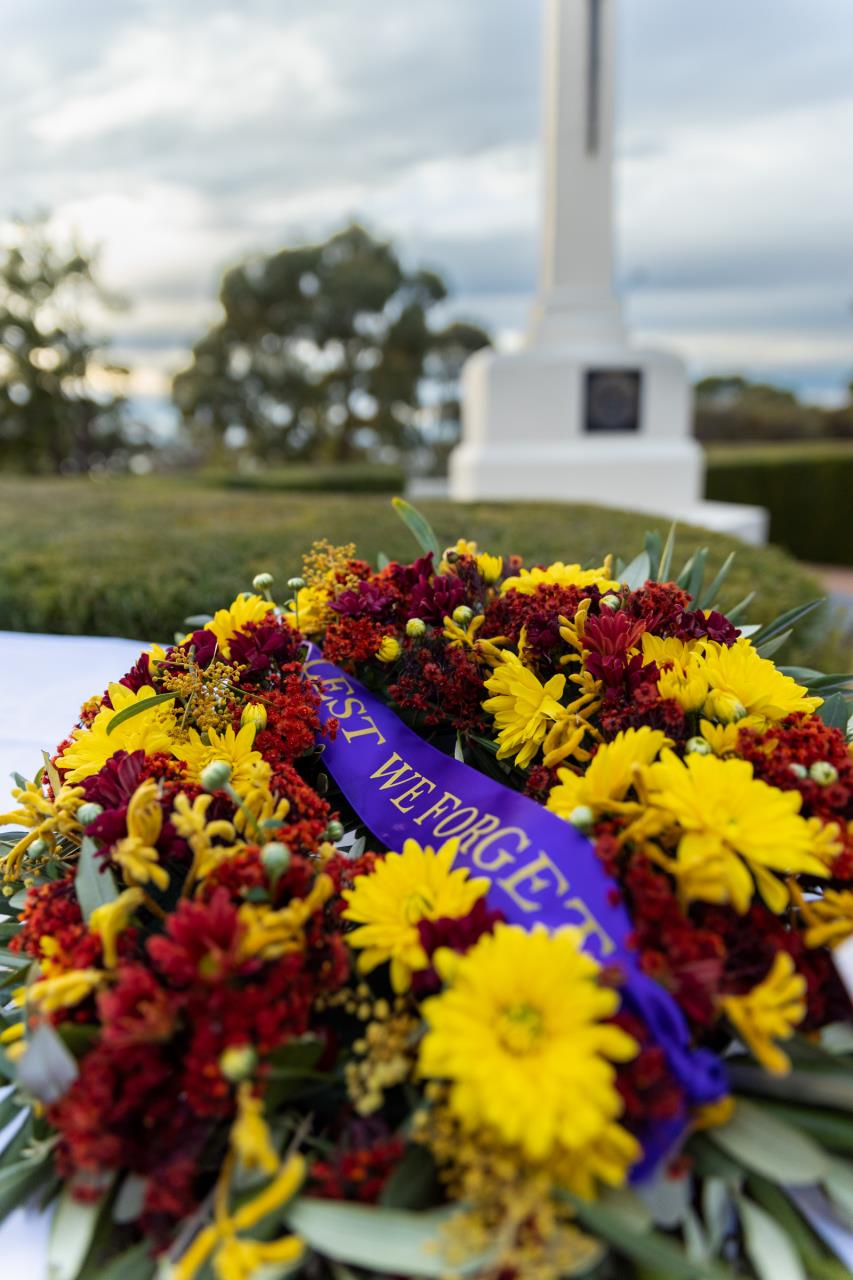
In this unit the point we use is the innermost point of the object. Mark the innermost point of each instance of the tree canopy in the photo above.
(51, 417)
(325, 351)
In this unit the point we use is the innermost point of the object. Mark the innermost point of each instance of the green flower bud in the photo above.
(415, 627)
(582, 817)
(798, 770)
(698, 746)
(296, 584)
(334, 830)
(38, 848)
(462, 615)
(216, 775)
(823, 773)
(87, 813)
(610, 602)
(238, 1062)
(262, 581)
(275, 857)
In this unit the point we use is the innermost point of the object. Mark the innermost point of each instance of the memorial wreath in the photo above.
(444, 918)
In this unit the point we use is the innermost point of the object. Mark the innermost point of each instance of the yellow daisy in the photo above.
(148, 731)
(404, 888)
(519, 1033)
(733, 830)
(742, 683)
(527, 581)
(770, 1012)
(610, 775)
(236, 749)
(523, 708)
(227, 622)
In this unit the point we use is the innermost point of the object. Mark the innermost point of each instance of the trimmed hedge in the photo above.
(135, 556)
(352, 478)
(807, 490)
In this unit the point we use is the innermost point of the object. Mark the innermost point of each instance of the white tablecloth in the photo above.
(43, 682)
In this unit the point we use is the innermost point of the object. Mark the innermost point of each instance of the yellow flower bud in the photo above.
(254, 713)
(389, 649)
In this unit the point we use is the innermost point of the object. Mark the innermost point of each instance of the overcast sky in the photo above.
(183, 134)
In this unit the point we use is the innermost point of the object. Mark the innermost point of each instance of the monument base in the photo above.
(600, 422)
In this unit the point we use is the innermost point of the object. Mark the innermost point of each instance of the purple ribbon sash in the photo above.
(541, 869)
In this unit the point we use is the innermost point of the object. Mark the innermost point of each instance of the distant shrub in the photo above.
(346, 478)
(806, 488)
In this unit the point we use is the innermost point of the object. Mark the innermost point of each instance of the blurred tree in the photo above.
(323, 352)
(51, 419)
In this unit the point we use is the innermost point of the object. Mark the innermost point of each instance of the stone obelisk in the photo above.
(579, 412)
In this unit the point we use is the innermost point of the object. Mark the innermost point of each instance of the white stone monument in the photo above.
(579, 413)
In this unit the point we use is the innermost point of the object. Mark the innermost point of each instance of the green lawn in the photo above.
(133, 557)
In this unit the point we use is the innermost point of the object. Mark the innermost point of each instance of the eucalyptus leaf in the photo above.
(817, 1088)
(382, 561)
(760, 1141)
(418, 526)
(135, 1263)
(710, 593)
(666, 556)
(697, 575)
(838, 1185)
(768, 647)
(767, 1245)
(788, 619)
(638, 572)
(653, 543)
(93, 881)
(197, 620)
(835, 712)
(741, 607)
(137, 708)
(52, 773)
(71, 1233)
(19, 1180)
(391, 1241)
(46, 1068)
(655, 1254)
(413, 1184)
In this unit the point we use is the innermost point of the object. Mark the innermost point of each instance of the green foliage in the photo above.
(50, 417)
(135, 557)
(806, 489)
(321, 353)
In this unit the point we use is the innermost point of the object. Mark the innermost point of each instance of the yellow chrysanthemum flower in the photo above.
(664, 649)
(489, 567)
(770, 1012)
(734, 829)
(389, 649)
(829, 919)
(459, 637)
(741, 683)
(237, 1257)
(250, 1137)
(520, 1035)
(610, 775)
(147, 731)
(562, 575)
(66, 989)
(310, 612)
(461, 547)
(404, 888)
(236, 749)
(523, 708)
(136, 853)
(111, 919)
(227, 622)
